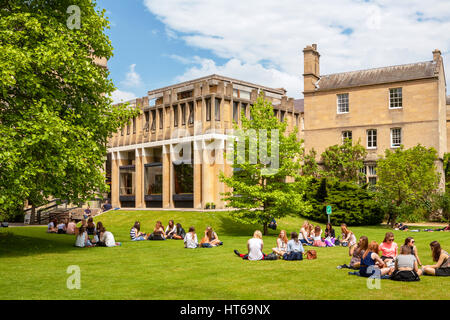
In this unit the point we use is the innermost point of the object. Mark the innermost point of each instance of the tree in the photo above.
(55, 107)
(344, 161)
(260, 194)
(310, 166)
(406, 179)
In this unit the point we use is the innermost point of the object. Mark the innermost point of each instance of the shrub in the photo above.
(351, 204)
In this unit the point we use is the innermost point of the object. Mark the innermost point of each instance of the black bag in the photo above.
(271, 256)
(405, 276)
(292, 256)
(337, 242)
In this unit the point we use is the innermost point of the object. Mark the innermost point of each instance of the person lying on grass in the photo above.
(255, 247)
(406, 268)
(136, 234)
(357, 254)
(190, 240)
(441, 257)
(371, 262)
(294, 249)
(282, 241)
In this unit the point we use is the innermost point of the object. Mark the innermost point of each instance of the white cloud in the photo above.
(122, 96)
(132, 79)
(266, 36)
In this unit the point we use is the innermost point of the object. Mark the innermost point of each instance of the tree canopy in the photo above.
(258, 193)
(56, 114)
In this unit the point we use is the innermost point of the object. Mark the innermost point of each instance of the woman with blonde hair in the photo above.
(303, 234)
(318, 237)
(255, 246)
(348, 238)
(282, 241)
(158, 232)
(371, 262)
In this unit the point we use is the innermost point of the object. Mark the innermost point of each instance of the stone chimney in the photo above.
(311, 72)
(436, 55)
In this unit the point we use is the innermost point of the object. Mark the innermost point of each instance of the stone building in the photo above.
(383, 107)
(146, 166)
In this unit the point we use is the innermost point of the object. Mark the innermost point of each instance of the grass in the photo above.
(33, 265)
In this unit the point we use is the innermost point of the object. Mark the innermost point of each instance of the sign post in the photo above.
(329, 213)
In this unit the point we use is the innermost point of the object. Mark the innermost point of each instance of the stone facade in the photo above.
(367, 105)
(143, 161)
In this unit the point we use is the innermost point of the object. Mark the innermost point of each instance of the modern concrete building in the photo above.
(146, 166)
(383, 107)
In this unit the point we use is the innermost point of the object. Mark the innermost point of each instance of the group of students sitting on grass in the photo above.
(87, 235)
(176, 232)
(400, 265)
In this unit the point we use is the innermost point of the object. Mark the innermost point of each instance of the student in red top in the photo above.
(389, 249)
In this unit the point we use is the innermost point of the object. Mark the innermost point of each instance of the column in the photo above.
(115, 180)
(139, 183)
(166, 177)
(197, 174)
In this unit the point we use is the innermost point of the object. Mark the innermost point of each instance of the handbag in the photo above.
(271, 256)
(311, 255)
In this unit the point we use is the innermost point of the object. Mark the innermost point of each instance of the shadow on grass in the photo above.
(17, 245)
(229, 227)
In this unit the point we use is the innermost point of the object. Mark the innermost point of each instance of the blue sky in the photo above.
(162, 42)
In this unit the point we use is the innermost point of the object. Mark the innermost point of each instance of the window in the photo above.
(134, 125)
(283, 114)
(208, 109)
(372, 180)
(244, 109)
(244, 94)
(372, 170)
(183, 114)
(191, 113)
(395, 98)
(161, 119)
(342, 102)
(236, 93)
(128, 128)
(346, 135)
(236, 111)
(185, 94)
(175, 116)
(363, 170)
(396, 137)
(153, 120)
(371, 139)
(147, 120)
(217, 110)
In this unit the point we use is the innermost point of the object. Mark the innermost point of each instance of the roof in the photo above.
(413, 71)
(299, 106)
(279, 91)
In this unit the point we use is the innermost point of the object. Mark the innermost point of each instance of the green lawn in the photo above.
(33, 265)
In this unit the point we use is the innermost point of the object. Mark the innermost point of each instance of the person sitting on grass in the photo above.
(294, 249)
(158, 232)
(179, 233)
(409, 242)
(107, 206)
(348, 238)
(136, 234)
(405, 268)
(389, 249)
(62, 227)
(90, 228)
(71, 227)
(170, 230)
(282, 241)
(82, 239)
(213, 237)
(52, 226)
(357, 254)
(87, 212)
(255, 248)
(303, 235)
(371, 262)
(318, 237)
(330, 236)
(190, 240)
(441, 257)
(107, 238)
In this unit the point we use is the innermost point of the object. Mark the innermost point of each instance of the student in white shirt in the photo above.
(107, 238)
(190, 240)
(255, 246)
(171, 230)
(82, 239)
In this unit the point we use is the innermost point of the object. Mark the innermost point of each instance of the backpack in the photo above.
(292, 256)
(311, 255)
(271, 256)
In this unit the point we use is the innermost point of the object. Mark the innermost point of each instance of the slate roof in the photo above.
(413, 71)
